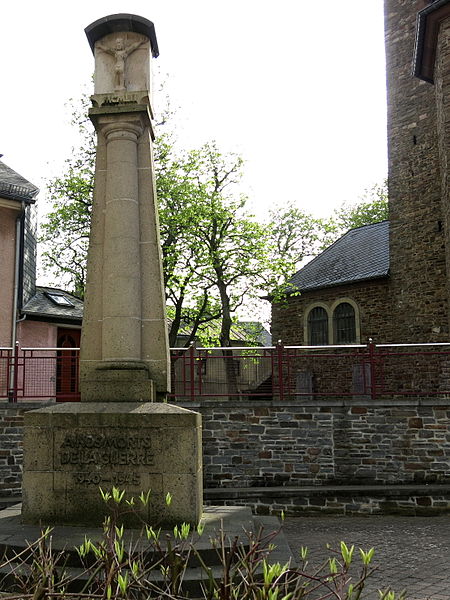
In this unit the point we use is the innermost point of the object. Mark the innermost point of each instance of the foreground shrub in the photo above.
(154, 565)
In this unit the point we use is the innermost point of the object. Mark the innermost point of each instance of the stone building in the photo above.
(409, 303)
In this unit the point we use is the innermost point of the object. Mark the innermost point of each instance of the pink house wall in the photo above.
(37, 334)
(7, 254)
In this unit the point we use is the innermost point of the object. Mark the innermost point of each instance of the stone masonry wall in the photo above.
(307, 443)
(11, 453)
(442, 90)
(332, 442)
(417, 237)
(312, 447)
(372, 298)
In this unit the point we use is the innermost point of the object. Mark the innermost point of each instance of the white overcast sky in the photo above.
(297, 87)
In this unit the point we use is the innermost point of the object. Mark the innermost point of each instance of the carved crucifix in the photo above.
(120, 52)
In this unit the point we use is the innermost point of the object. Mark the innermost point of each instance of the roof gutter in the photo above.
(16, 287)
(17, 257)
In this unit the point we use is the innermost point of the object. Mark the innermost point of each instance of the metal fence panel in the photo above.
(364, 372)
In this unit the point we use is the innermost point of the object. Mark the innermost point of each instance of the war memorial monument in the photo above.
(122, 433)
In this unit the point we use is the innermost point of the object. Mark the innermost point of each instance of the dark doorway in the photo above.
(67, 366)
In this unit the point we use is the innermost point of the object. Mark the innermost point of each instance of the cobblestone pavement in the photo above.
(411, 553)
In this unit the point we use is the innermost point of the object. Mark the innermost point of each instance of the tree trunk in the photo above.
(225, 341)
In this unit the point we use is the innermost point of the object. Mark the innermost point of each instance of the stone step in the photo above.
(233, 521)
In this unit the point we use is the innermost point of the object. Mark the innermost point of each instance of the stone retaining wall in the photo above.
(11, 454)
(333, 442)
(305, 456)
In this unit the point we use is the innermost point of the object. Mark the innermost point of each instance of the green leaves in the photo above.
(64, 233)
(366, 557)
(212, 249)
(347, 553)
(373, 207)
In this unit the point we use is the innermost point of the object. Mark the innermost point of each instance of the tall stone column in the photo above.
(117, 436)
(121, 340)
(124, 348)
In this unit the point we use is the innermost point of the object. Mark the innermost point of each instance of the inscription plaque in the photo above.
(114, 478)
(85, 449)
(102, 454)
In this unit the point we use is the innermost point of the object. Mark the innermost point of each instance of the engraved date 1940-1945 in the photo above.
(115, 478)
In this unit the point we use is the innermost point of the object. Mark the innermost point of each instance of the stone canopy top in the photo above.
(120, 23)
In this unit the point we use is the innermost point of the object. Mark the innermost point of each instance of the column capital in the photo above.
(135, 114)
(122, 129)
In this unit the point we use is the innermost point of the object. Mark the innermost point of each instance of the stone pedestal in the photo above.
(72, 450)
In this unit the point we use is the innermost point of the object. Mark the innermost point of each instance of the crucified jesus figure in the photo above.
(120, 53)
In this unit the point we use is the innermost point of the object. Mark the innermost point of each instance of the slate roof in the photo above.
(359, 255)
(14, 186)
(41, 306)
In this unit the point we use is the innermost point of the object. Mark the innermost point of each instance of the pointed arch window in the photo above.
(318, 327)
(344, 324)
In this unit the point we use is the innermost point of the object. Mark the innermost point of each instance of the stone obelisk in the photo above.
(119, 435)
(124, 349)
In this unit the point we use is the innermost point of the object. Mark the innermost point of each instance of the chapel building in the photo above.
(390, 281)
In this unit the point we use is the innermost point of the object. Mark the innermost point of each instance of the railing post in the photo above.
(192, 371)
(12, 394)
(373, 386)
(280, 352)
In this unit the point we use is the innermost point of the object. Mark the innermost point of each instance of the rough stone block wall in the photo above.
(372, 298)
(333, 442)
(332, 501)
(392, 444)
(11, 449)
(305, 457)
(417, 237)
(252, 445)
(442, 90)
(11, 454)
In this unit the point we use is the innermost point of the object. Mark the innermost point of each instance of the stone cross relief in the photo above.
(120, 52)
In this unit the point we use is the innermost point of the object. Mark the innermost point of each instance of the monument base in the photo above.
(72, 450)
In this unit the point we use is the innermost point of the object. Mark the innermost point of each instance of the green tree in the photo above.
(64, 232)
(293, 236)
(189, 302)
(372, 208)
(212, 250)
(216, 256)
(232, 245)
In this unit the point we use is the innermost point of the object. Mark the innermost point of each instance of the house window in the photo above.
(318, 327)
(59, 299)
(344, 324)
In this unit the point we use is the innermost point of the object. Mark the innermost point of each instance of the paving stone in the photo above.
(410, 553)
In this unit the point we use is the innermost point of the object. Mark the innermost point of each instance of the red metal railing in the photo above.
(39, 374)
(366, 372)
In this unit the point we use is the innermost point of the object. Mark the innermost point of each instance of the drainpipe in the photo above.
(18, 241)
